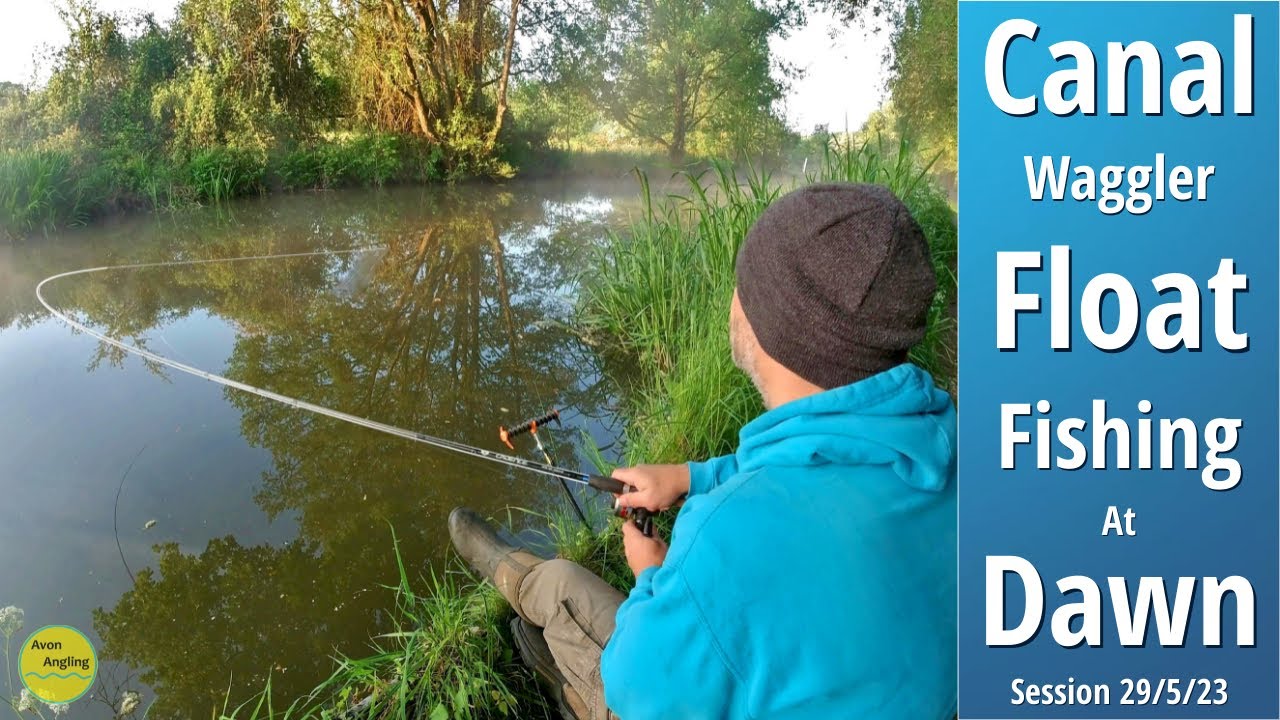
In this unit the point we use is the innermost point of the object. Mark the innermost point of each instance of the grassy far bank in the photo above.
(226, 98)
(46, 190)
(656, 302)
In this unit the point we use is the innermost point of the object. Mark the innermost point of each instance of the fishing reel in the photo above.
(640, 517)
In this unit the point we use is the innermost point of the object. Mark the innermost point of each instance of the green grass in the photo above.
(449, 655)
(222, 174)
(44, 191)
(659, 296)
(599, 551)
(360, 161)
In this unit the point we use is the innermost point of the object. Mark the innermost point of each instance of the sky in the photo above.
(843, 79)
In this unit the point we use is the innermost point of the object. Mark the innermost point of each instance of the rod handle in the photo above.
(607, 484)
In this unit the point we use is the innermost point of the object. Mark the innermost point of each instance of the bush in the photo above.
(221, 174)
(373, 159)
(425, 163)
(302, 169)
(361, 161)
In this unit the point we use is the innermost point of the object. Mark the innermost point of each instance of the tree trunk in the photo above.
(680, 115)
(413, 93)
(504, 293)
(501, 112)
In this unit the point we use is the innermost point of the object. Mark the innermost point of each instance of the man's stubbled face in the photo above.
(742, 341)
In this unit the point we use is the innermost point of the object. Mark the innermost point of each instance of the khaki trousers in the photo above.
(576, 611)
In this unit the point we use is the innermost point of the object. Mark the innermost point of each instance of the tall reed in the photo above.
(39, 191)
(660, 295)
(221, 174)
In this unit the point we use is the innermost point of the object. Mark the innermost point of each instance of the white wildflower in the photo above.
(10, 620)
(129, 702)
(59, 708)
(26, 701)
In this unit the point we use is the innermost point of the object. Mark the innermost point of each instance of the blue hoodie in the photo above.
(812, 574)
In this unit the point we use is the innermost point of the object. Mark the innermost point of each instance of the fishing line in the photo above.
(596, 481)
(115, 513)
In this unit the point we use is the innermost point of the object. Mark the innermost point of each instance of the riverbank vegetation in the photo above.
(236, 97)
(450, 654)
(239, 97)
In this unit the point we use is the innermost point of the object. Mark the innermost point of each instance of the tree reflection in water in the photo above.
(448, 327)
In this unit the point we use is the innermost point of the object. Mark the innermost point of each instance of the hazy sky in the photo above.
(843, 80)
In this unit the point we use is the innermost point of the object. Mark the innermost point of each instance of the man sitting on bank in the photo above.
(812, 573)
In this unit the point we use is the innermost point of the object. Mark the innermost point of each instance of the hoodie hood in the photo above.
(897, 418)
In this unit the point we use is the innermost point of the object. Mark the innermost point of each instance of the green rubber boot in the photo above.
(502, 564)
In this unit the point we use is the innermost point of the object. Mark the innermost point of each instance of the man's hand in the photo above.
(658, 487)
(642, 552)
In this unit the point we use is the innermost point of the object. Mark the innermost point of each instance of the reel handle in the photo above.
(528, 426)
(643, 519)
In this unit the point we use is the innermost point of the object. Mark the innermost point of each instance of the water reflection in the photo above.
(452, 325)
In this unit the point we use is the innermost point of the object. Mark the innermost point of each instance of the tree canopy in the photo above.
(681, 75)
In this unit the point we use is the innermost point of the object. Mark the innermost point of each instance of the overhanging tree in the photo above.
(439, 69)
(924, 75)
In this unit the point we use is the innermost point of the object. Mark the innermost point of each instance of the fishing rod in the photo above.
(641, 517)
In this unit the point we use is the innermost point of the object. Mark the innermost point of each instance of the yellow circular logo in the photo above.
(57, 663)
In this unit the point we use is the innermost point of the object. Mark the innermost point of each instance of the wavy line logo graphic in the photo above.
(58, 664)
(59, 675)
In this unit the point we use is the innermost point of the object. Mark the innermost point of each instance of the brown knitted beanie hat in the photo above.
(836, 281)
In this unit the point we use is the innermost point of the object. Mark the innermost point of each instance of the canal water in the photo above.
(205, 538)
